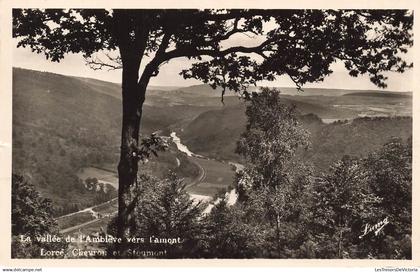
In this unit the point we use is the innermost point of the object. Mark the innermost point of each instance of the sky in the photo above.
(74, 65)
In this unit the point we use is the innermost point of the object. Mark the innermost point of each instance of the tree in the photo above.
(299, 43)
(170, 212)
(342, 203)
(31, 218)
(272, 137)
(358, 194)
(229, 235)
(163, 209)
(273, 183)
(390, 174)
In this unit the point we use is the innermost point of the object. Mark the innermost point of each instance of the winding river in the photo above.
(181, 147)
(230, 197)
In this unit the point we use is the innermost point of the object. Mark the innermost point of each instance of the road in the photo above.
(64, 231)
(88, 209)
(201, 176)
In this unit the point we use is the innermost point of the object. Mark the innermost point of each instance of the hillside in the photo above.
(329, 142)
(62, 124)
(382, 94)
(199, 90)
(215, 133)
(63, 97)
(330, 92)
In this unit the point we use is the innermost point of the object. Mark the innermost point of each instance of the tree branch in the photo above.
(298, 86)
(152, 68)
(233, 14)
(98, 64)
(188, 52)
(234, 30)
(164, 44)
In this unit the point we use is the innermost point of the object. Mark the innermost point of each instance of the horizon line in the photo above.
(186, 86)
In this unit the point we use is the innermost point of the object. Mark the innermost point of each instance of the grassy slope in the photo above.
(218, 177)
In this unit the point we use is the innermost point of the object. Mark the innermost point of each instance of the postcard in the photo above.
(141, 133)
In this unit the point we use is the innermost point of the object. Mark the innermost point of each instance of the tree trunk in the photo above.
(340, 243)
(126, 24)
(278, 234)
(133, 96)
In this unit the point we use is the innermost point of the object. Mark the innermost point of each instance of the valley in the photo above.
(66, 133)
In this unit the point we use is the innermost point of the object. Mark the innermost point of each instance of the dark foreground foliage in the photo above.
(317, 217)
(31, 222)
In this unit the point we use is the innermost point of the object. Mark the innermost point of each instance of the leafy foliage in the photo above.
(302, 44)
(299, 43)
(56, 32)
(294, 214)
(272, 137)
(342, 203)
(230, 236)
(390, 173)
(165, 210)
(358, 193)
(265, 221)
(31, 219)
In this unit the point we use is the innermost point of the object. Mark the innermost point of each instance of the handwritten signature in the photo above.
(374, 228)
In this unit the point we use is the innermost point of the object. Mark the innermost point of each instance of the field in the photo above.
(215, 133)
(103, 176)
(83, 219)
(218, 176)
(106, 208)
(74, 220)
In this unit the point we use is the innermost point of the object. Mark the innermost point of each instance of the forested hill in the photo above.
(62, 124)
(215, 133)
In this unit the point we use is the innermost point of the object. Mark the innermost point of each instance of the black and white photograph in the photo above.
(212, 133)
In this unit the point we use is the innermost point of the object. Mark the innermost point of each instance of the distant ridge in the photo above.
(205, 90)
(331, 92)
(94, 81)
(382, 94)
